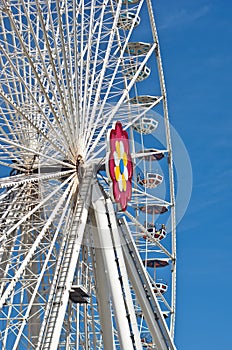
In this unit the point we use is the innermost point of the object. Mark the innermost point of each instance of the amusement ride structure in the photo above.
(87, 207)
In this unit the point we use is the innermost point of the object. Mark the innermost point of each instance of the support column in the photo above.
(111, 273)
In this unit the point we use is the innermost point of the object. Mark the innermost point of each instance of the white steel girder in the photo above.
(144, 293)
(115, 273)
(62, 282)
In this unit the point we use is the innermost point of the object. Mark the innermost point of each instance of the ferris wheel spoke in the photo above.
(73, 62)
(148, 198)
(111, 81)
(87, 63)
(8, 154)
(37, 128)
(81, 63)
(34, 152)
(23, 179)
(70, 99)
(144, 112)
(9, 124)
(56, 70)
(143, 229)
(35, 73)
(10, 120)
(128, 124)
(44, 267)
(13, 166)
(23, 46)
(106, 59)
(7, 192)
(35, 244)
(115, 109)
(38, 206)
(76, 77)
(56, 48)
(154, 241)
(95, 59)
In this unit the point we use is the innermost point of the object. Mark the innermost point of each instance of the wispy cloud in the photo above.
(183, 16)
(220, 59)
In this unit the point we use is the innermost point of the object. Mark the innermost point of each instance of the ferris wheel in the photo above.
(87, 207)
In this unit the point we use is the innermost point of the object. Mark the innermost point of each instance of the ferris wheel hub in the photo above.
(79, 162)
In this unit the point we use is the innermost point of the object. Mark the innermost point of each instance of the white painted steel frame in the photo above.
(144, 292)
(64, 274)
(61, 88)
(111, 252)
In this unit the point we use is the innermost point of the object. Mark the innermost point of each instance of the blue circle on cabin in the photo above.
(121, 166)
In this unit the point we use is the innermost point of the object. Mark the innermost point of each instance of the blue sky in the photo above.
(195, 38)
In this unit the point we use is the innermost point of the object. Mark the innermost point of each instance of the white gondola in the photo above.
(152, 232)
(132, 69)
(138, 48)
(145, 125)
(126, 20)
(150, 180)
(144, 100)
(160, 287)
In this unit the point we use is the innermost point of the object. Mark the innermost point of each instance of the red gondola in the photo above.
(156, 262)
(151, 154)
(153, 209)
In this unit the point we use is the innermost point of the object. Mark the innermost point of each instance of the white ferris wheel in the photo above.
(87, 208)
